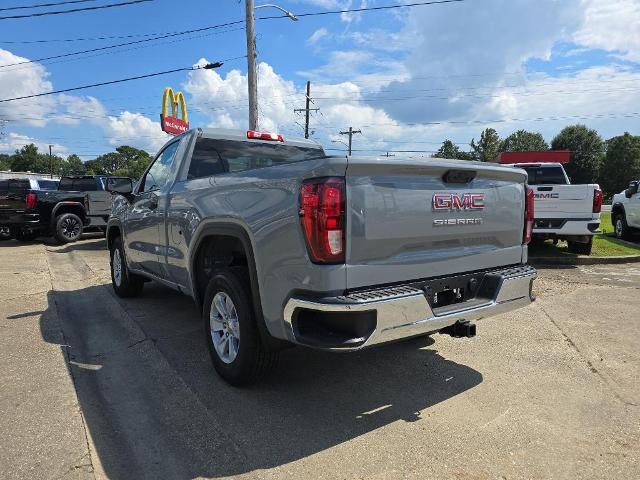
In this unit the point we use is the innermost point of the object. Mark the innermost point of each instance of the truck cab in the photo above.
(99, 198)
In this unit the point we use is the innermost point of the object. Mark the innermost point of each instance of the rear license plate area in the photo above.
(452, 290)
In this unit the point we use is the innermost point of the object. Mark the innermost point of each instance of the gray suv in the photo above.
(281, 244)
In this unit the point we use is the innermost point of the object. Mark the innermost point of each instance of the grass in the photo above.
(605, 222)
(604, 244)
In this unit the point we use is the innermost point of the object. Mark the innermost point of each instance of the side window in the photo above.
(19, 185)
(66, 184)
(4, 185)
(85, 185)
(206, 160)
(158, 175)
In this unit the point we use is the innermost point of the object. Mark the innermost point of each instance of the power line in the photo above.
(74, 10)
(90, 50)
(363, 9)
(55, 4)
(111, 82)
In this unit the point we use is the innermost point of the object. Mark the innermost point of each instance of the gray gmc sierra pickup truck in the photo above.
(281, 244)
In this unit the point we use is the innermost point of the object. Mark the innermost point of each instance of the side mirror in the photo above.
(632, 190)
(119, 185)
(628, 192)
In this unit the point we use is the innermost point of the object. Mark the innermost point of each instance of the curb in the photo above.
(550, 261)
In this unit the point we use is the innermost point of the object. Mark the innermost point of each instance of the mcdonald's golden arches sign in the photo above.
(171, 123)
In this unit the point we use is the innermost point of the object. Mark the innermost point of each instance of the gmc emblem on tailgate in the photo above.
(453, 201)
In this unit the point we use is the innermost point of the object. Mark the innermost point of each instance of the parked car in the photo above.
(29, 213)
(625, 211)
(99, 198)
(280, 244)
(563, 211)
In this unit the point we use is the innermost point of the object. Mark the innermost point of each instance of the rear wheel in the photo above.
(621, 229)
(68, 228)
(125, 283)
(5, 234)
(580, 248)
(237, 351)
(23, 235)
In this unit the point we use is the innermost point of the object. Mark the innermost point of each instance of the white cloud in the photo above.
(23, 80)
(134, 129)
(317, 36)
(613, 26)
(14, 141)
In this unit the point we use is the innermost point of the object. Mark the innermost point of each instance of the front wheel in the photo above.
(68, 228)
(125, 283)
(237, 351)
(580, 248)
(621, 228)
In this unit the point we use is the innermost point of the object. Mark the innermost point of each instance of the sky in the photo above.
(408, 78)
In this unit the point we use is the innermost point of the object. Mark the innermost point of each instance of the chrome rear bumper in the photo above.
(403, 311)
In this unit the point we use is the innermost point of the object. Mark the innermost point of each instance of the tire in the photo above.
(24, 235)
(580, 248)
(237, 351)
(620, 227)
(68, 228)
(125, 283)
(5, 234)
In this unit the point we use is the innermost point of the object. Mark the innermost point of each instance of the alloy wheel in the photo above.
(225, 327)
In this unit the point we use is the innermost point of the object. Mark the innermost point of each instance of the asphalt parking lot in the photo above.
(94, 386)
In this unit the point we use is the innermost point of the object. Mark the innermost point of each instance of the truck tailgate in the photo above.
(563, 200)
(405, 222)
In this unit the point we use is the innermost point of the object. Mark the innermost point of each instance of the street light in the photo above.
(252, 81)
(286, 12)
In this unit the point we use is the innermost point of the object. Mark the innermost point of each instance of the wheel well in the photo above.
(617, 209)
(112, 234)
(76, 209)
(216, 252)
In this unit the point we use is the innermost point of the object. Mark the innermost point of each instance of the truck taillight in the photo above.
(322, 219)
(87, 204)
(528, 216)
(31, 200)
(597, 200)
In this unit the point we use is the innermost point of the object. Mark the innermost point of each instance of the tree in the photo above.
(451, 150)
(73, 166)
(25, 159)
(127, 159)
(5, 162)
(524, 141)
(621, 163)
(487, 148)
(587, 151)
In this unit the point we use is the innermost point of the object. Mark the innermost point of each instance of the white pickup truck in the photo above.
(563, 211)
(625, 211)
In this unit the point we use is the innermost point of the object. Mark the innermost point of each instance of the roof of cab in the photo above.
(241, 135)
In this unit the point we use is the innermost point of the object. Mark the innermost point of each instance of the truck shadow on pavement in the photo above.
(154, 407)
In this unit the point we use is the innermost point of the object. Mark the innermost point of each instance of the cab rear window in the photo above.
(11, 185)
(213, 157)
(545, 176)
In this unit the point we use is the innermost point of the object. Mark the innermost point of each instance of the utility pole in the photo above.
(251, 66)
(50, 161)
(306, 111)
(350, 133)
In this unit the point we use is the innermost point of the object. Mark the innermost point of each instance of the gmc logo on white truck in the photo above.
(546, 196)
(453, 201)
